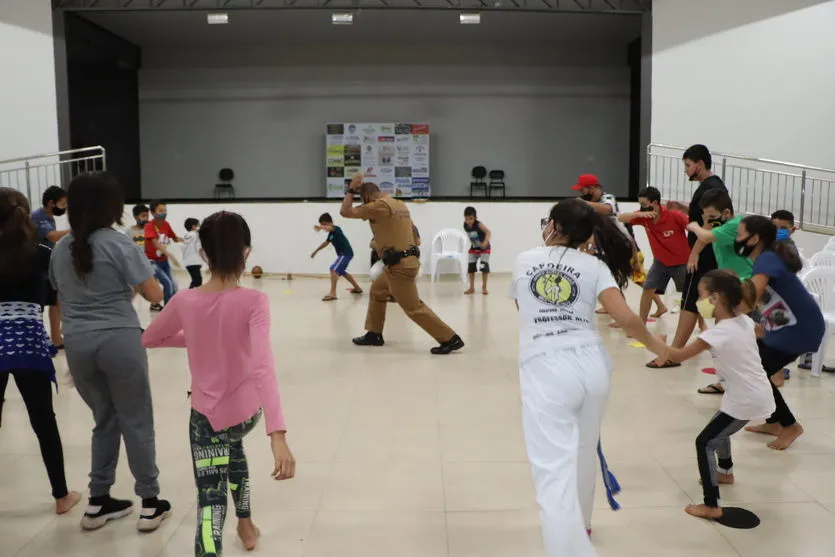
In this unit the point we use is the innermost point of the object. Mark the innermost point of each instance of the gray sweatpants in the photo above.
(110, 371)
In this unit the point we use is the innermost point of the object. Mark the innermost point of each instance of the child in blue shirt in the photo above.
(344, 254)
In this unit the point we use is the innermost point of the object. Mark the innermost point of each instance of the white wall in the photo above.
(283, 235)
(28, 113)
(753, 77)
(544, 113)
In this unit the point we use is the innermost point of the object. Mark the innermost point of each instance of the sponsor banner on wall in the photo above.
(394, 155)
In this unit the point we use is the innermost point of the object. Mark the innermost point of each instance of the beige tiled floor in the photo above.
(402, 454)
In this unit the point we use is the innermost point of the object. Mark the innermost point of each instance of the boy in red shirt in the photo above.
(667, 233)
(158, 235)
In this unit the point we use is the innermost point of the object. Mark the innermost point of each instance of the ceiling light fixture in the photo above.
(342, 18)
(470, 18)
(218, 19)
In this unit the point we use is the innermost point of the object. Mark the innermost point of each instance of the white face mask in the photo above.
(548, 232)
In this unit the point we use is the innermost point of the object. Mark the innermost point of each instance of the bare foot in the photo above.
(767, 429)
(660, 312)
(469, 291)
(703, 511)
(786, 437)
(778, 379)
(66, 503)
(484, 292)
(722, 479)
(249, 533)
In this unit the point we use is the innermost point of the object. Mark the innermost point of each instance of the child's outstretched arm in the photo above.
(166, 330)
(320, 248)
(693, 349)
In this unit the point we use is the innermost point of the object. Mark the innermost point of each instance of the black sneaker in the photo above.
(156, 307)
(101, 510)
(369, 339)
(154, 511)
(453, 344)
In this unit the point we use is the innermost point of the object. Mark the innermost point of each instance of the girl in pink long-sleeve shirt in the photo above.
(226, 332)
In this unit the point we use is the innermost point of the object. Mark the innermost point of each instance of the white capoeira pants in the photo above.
(564, 394)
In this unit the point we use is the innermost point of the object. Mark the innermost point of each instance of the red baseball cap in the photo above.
(586, 181)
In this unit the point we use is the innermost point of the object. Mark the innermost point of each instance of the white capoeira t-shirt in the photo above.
(557, 290)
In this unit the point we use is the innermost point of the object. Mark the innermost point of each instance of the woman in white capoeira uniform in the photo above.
(564, 367)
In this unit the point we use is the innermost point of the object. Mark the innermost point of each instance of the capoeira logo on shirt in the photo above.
(554, 287)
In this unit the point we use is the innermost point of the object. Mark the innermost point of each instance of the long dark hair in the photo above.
(18, 237)
(225, 237)
(577, 221)
(94, 201)
(766, 230)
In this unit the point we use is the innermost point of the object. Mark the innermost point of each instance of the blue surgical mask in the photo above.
(783, 234)
(160, 216)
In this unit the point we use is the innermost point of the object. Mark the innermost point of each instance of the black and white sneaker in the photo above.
(101, 510)
(156, 307)
(154, 511)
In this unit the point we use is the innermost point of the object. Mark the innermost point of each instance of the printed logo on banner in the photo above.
(420, 181)
(404, 149)
(336, 129)
(420, 139)
(369, 139)
(336, 161)
(351, 131)
(403, 160)
(386, 154)
(386, 129)
(353, 155)
(335, 141)
(370, 129)
(336, 172)
(387, 187)
(403, 139)
(386, 139)
(335, 150)
(403, 172)
(420, 172)
(402, 129)
(386, 171)
(420, 129)
(352, 171)
(419, 160)
(403, 181)
(420, 191)
(421, 149)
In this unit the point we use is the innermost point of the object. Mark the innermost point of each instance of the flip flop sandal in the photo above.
(352, 291)
(666, 365)
(711, 390)
(329, 298)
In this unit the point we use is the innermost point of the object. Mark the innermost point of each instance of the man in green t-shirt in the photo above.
(719, 231)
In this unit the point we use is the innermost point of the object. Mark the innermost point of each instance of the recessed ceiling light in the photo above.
(470, 19)
(342, 18)
(218, 19)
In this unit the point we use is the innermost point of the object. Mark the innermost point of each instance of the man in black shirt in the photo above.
(697, 167)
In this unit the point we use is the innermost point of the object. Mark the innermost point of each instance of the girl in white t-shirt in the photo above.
(564, 367)
(748, 396)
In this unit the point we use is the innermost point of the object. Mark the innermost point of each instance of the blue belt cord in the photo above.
(609, 480)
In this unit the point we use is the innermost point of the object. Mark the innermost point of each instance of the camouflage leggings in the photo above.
(219, 461)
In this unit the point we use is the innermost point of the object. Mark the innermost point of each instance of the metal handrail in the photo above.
(744, 158)
(32, 175)
(58, 154)
(757, 185)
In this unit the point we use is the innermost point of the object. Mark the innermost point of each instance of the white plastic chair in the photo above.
(823, 259)
(820, 282)
(450, 244)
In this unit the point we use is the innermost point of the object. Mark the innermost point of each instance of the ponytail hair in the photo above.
(575, 220)
(18, 237)
(94, 201)
(766, 230)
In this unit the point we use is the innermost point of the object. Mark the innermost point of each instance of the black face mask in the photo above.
(716, 222)
(646, 209)
(57, 211)
(742, 248)
(587, 197)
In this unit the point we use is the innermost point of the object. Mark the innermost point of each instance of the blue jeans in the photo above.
(162, 272)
